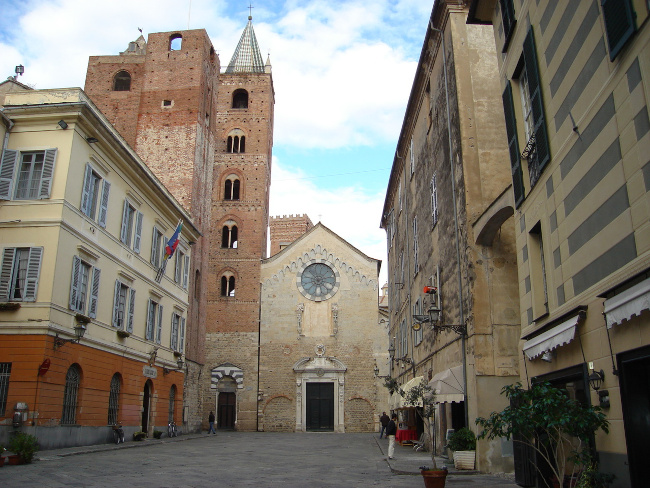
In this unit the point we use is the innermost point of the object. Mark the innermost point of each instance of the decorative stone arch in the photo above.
(359, 415)
(231, 175)
(320, 369)
(226, 369)
(488, 224)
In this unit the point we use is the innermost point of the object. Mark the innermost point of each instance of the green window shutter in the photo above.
(513, 145)
(537, 103)
(509, 21)
(619, 24)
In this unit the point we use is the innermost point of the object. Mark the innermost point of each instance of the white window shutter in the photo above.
(103, 206)
(85, 193)
(94, 293)
(7, 165)
(74, 283)
(125, 220)
(138, 232)
(116, 305)
(48, 173)
(179, 265)
(159, 325)
(186, 271)
(129, 327)
(8, 256)
(33, 270)
(173, 342)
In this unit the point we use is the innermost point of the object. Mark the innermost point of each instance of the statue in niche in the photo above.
(300, 310)
(335, 318)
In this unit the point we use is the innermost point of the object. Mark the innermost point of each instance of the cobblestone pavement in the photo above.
(233, 459)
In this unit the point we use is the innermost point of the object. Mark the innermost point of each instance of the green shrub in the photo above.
(462, 440)
(25, 445)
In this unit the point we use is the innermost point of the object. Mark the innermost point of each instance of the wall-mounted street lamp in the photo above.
(79, 331)
(596, 379)
(180, 365)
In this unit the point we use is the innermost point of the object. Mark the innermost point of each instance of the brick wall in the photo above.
(286, 229)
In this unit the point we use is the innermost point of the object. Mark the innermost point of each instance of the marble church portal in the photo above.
(320, 338)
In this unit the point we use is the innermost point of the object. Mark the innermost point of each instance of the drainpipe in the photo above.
(453, 194)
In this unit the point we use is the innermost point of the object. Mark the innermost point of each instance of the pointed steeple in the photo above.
(247, 57)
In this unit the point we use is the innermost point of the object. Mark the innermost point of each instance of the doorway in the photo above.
(320, 407)
(146, 401)
(635, 398)
(226, 410)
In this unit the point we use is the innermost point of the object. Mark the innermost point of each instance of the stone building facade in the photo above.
(450, 166)
(322, 341)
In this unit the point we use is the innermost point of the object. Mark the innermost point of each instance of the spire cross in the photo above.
(250, 10)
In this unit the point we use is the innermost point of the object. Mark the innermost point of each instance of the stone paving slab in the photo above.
(235, 459)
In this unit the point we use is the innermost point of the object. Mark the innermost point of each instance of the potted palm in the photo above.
(422, 397)
(463, 444)
(558, 428)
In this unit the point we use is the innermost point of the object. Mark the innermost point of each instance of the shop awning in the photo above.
(448, 385)
(557, 336)
(627, 304)
(397, 401)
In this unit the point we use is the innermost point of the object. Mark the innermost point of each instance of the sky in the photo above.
(342, 73)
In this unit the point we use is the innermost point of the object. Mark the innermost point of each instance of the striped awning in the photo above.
(553, 338)
(627, 304)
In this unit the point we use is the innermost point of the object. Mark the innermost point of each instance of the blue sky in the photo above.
(342, 72)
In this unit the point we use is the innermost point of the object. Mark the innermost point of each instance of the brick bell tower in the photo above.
(238, 236)
(161, 96)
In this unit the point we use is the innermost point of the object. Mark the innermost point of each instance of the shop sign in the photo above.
(149, 372)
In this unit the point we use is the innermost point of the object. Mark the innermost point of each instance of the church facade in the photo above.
(323, 344)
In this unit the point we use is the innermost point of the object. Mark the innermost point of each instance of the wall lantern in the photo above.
(179, 363)
(596, 379)
(63, 124)
(391, 352)
(79, 331)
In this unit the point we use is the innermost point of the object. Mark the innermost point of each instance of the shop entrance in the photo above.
(146, 401)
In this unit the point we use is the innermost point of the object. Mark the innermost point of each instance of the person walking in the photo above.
(211, 421)
(384, 419)
(391, 430)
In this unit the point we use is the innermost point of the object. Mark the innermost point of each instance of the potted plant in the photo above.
(9, 306)
(139, 435)
(422, 397)
(157, 434)
(558, 428)
(24, 446)
(463, 444)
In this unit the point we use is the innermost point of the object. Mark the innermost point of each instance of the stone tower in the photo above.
(238, 235)
(165, 97)
(286, 229)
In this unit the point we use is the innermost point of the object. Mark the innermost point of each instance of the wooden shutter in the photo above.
(103, 207)
(7, 165)
(178, 266)
(186, 271)
(74, 283)
(125, 220)
(33, 270)
(48, 173)
(159, 324)
(619, 24)
(86, 204)
(155, 241)
(116, 305)
(129, 323)
(536, 101)
(509, 21)
(138, 232)
(181, 344)
(173, 342)
(8, 256)
(151, 318)
(94, 293)
(513, 145)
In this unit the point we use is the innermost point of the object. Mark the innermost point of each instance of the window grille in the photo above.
(72, 378)
(5, 372)
(114, 399)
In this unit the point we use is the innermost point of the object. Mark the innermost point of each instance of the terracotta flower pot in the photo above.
(434, 478)
(2, 461)
(14, 459)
